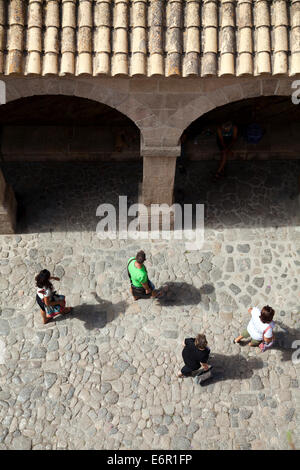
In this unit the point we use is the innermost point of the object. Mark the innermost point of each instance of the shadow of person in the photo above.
(284, 339)
(234, 367)
(182, 293)
(96, 316)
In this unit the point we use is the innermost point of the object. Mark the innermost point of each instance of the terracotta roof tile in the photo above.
(191, 39)
(295, 13)
(102, 37)
(150, 37)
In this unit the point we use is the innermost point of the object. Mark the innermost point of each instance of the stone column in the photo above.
(8, 207)
(158, 180)
(158, 177)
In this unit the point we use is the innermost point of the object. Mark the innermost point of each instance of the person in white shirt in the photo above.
(260, 328)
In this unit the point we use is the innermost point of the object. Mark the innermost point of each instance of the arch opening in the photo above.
(66, 128)
(64, 156)
(277, 115)
(261, 179)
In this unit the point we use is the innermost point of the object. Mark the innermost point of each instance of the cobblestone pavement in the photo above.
(105, 376)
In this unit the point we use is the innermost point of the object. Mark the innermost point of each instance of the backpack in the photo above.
(263, 346)
(254, 133)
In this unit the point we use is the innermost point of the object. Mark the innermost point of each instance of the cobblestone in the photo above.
(105, 376)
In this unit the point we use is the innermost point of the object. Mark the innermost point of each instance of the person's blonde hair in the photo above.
(201, 341)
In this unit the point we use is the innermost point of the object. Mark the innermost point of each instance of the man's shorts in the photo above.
(140, 291)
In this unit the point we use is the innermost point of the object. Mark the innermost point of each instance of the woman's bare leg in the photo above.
(45, 318)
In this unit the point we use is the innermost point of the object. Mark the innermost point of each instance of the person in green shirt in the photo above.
(141, 286)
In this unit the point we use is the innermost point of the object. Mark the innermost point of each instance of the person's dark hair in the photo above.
(140, 257)
(43, 279)
(267, 314)
(201, 342)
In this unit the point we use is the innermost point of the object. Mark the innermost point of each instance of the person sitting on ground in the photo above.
(226, 137)
(50, 303)
(141, 286)
(260, 328)
(195, 354)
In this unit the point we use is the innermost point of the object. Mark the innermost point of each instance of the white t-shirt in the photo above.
(256, 327)
(44, 292)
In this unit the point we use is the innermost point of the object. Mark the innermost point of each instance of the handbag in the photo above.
(263, 346)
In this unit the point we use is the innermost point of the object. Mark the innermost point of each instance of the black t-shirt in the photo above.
(192, 356)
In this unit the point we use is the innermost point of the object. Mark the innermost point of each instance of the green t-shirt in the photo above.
(138, 276)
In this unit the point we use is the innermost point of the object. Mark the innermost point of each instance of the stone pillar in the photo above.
(8, 207)
(158, 179)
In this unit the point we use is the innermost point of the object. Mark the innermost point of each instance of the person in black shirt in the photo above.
(195, 353)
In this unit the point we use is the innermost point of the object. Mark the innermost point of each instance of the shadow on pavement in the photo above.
(96, 316)
(182, 293)
(284, 339)
(234, 367)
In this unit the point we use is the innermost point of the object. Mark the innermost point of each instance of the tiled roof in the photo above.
(155, 37)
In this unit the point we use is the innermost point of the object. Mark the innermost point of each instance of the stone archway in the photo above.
(219, 92)
(160, 127)
(65, 128)
(270, 164)
(274, 116)
(32, 110)
(112, 93)
(194, 103)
